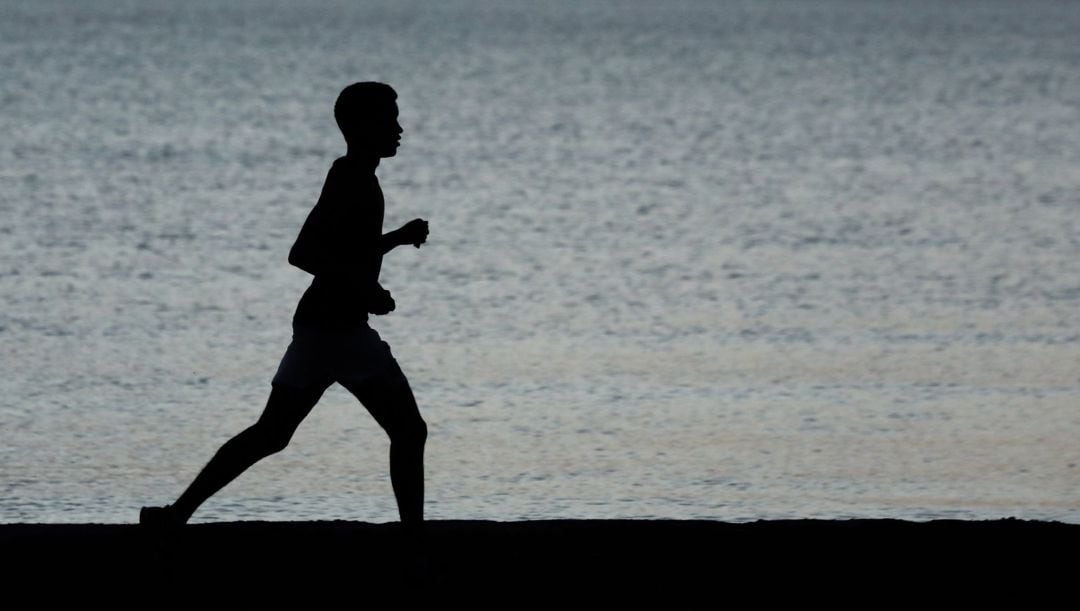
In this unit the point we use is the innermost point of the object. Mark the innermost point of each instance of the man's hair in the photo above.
(358, 102)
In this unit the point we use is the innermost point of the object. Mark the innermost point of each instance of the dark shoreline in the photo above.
(596, 557)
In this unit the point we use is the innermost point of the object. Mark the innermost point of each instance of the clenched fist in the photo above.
(380, 302)
(414, 232)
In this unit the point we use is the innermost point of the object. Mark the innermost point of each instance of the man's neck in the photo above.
(363, 160)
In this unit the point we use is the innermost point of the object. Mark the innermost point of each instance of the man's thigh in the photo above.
(287, 407)
(306, 363)
(388, 397)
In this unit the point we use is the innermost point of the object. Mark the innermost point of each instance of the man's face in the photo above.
(385, 134)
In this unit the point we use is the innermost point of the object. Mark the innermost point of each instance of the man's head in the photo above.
(367, 114)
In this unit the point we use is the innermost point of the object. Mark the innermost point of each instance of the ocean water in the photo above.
(723, 260)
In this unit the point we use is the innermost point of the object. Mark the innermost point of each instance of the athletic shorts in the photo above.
(320, 357)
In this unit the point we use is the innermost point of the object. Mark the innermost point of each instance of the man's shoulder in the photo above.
(346, 172)
(338, 168)
(339, 179)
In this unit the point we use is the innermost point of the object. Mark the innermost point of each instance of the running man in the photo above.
(342, 245)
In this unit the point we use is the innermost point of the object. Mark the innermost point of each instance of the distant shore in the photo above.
(621, 557)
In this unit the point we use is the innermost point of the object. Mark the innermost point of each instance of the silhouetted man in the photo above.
(342, 245)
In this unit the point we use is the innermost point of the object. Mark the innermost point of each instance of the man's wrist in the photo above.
(396, 239)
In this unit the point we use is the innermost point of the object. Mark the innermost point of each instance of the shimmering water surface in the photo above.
(728, 260)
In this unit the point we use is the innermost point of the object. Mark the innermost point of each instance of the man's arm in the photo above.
(414, 232)
(312, 250)
(380, 301)
(310, 253)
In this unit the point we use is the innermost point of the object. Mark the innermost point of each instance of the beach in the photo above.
(624, 559)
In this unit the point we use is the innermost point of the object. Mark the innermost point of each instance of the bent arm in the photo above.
(329, 244)
(389, 241)
(414, 232)
(316, 256)
(310, 253)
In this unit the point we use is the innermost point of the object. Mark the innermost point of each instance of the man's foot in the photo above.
(160, 517)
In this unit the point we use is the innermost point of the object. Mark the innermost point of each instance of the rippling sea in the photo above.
(724, 260)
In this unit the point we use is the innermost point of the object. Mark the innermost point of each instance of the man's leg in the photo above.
(285, 410)
(390, 400)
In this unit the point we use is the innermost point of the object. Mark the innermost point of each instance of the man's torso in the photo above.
(346, 226)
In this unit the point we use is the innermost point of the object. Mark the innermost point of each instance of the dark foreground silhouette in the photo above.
(873, 562)
(341, 244)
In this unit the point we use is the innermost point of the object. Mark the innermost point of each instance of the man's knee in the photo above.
(285, 409)
(410, 432)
